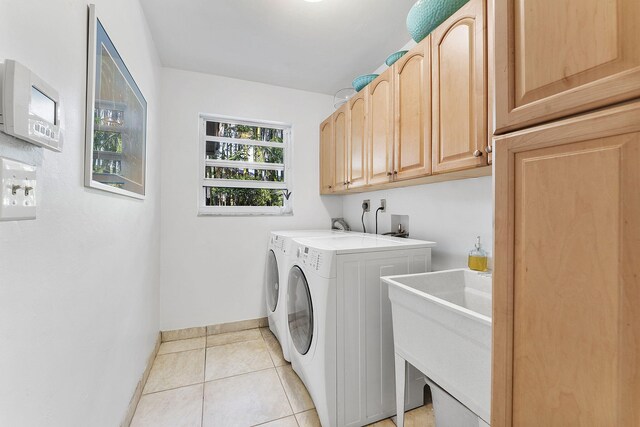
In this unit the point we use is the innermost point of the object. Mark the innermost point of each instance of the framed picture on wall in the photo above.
(116, 121)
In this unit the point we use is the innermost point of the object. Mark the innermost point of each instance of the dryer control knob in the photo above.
(299, 252)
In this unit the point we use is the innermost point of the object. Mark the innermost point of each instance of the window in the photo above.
(244, 167)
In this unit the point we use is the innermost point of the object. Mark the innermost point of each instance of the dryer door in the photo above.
(273, 281)
(299, 310)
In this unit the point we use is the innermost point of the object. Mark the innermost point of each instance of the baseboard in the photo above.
(133, 404)
(203, 331)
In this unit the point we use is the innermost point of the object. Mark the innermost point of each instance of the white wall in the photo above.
(78, 286)
(212, 267)
(450, 213)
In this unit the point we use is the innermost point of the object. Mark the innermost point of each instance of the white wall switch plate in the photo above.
(18, 182)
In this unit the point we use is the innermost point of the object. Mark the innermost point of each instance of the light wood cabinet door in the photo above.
(412, 92)
(459, 102)
(327, 157)
(357, 140)
(380, 140)
(557, 58)
(340, 148)
(566, 291)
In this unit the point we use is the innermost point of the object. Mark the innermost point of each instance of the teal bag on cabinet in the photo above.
(426, 15)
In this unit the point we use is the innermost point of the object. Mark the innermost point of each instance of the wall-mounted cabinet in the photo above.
(339, 125)
(327, 157)
(381, 129)
(557, 58)
(412, 113)
(422, 120)
(357, 141)
(459, 91)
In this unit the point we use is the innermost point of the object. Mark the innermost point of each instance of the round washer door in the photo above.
(299, 310)
(273, 281)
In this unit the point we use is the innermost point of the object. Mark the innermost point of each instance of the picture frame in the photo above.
(116, 119)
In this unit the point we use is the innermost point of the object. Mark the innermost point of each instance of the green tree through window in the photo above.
(237, 153)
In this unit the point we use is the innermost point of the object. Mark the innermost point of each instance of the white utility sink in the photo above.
(442, 326)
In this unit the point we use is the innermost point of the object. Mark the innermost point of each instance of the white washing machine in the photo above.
(339, 322)
(277, 268)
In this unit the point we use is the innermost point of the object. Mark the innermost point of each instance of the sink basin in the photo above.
(442, 326)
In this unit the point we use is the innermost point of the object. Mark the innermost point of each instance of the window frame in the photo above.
(286, 166)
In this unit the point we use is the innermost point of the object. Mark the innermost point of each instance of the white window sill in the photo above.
(247, 211)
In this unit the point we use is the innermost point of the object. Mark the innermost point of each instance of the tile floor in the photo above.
(232, 379)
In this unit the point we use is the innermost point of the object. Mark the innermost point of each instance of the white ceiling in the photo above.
(318, 47)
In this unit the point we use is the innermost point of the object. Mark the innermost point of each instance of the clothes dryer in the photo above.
(275, 278)
(339, 323)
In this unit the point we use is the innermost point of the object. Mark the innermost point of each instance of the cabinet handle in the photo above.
(488, 149)
(395, 172)
(345, 183)
(389, 174)
(330, 187)
(477, 153)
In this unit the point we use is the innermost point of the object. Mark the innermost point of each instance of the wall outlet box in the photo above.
(18, 182)
(400, 223)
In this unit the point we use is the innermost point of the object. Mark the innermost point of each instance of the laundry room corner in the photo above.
(319, 213)
(212, 266)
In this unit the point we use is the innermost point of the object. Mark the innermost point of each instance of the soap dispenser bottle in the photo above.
(478, 258)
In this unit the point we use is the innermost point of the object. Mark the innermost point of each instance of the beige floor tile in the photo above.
(420, 417)
(182, 345)
(233, 326)
(245, 400)
(266, 332)
(183, 334)
(383, 423)
(231, 337)
(295, 389)
(180, 407)
(176, 370)
(308, 419)
(282, 422)
(274, 347)
(237, 358)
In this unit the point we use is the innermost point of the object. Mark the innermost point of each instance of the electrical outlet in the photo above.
(18, 194)
(400, 223)
(383, 205)
(366, 205)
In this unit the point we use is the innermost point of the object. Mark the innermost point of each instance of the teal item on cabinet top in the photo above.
(361, 81)
(394, 57)
(426, 15)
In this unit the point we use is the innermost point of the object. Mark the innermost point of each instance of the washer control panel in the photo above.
(316, 260)
(277, 243)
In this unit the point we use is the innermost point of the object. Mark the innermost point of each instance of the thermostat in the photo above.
(29, 106)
